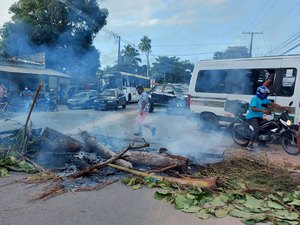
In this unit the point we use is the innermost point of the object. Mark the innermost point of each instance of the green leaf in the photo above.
(192, 209)
(239, 214)
(252, 203)
(159, 195)
(151, 185)
(3, 172)
(202, 214)
(217, 202)
(132, 181)
(285, 214)
(181, 202)
(248, 222)
(295, 202)
(220, 213)
(136, 186)
(274, 205)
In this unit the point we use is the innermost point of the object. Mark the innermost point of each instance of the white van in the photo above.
(215, 81)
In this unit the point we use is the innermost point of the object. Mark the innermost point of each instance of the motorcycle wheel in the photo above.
(238, 136)
(289, 142)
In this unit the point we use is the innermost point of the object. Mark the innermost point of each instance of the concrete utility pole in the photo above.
(251, 41)
(119, 50)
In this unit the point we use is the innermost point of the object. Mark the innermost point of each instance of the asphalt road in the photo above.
(116, 204)
(178, 133)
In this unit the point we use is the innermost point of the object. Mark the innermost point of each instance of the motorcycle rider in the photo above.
(257, 110)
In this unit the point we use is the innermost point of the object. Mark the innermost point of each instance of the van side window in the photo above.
(211, 81)
(236, 81)
(285, 82)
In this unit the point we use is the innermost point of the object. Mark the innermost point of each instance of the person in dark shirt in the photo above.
(270, 79)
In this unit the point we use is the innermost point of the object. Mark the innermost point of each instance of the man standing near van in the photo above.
(143, 109)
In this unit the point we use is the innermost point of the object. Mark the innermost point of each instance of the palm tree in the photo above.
(145, 46)
(131, 55)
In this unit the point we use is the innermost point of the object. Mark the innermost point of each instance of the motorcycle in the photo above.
(278, 131)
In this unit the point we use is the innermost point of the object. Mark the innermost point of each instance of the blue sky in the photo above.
(195, 29)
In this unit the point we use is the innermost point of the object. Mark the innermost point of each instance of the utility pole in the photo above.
(119, 50)
(251, 41)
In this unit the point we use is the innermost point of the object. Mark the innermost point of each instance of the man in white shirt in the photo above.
(143, 110)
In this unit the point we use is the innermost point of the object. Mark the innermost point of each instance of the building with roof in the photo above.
(17, 73)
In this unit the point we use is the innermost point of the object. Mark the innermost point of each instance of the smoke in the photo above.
(181, 135)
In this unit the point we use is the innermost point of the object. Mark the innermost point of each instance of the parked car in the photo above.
(110, 99)
(83, 99)
(171, 96)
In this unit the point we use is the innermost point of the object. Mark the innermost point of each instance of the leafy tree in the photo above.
(145, 46)
(171, 70)
(233, 52)
(130, 59)
(63, 29)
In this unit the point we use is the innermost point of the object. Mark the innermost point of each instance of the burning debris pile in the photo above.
(86, 165)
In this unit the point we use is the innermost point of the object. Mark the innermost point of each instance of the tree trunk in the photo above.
(101, 149)
(136, 157)
(152, 159)
(58, 140)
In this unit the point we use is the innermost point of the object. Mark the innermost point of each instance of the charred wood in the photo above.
(57, 140)
(152, 159)
(102, 150)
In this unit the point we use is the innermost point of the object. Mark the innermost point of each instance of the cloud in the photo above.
(4, 15)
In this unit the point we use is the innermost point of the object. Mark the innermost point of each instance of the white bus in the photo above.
(215, 81)
(126, 82)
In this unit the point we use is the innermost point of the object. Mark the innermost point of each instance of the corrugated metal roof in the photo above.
(34, 71)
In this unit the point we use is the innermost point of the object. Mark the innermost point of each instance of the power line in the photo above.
(291, 49)
(178, 45)
(257, 15)
(284, 15)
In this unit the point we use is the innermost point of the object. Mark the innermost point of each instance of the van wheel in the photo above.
(208, 122)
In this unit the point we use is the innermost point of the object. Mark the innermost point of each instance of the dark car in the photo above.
(171, 96)
(83, 99)
(110, 99)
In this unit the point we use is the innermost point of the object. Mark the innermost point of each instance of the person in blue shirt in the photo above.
(256, 111)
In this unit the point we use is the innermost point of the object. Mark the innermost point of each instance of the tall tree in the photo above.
(172, 70)
(233, 52)
(130, 59)
(145, 46)
(63, 29)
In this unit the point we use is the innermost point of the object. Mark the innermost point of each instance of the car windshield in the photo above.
(109, 93)
(181, 89)
(81, 95)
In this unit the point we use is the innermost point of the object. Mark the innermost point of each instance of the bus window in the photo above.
(286, 82)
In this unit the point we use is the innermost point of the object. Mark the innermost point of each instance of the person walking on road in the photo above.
(143, 110)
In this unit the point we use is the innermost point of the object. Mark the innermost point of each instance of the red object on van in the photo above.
(189, 101)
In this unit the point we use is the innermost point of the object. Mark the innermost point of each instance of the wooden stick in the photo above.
(162, 169)
(206, 183)
(26, 138)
